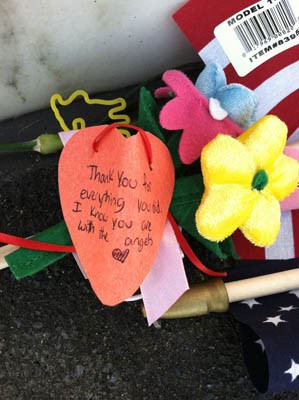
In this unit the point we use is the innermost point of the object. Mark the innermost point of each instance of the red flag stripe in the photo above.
(295, 233)
(286, 112)
(246, 249)
(198, 18)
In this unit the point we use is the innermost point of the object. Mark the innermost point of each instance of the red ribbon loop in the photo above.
(146, 142)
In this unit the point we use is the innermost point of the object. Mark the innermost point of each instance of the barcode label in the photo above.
(261, 28)
(258, 33)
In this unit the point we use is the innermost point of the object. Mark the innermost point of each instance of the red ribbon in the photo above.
(42, 246)
(189, 252)
(34, 245)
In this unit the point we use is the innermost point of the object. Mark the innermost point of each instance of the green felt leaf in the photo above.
(173, 147)
(186, 198)
(180, 168)
(148, 115)
(228, 247)
(26, 262)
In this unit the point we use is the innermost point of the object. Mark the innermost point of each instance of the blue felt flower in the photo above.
(238, 101)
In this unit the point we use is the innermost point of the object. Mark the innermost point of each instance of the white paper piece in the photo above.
(259, 32)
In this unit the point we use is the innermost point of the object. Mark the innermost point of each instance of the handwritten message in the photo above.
(105, 209)
(115, 207)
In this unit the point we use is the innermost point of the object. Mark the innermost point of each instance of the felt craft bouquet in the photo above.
(230, 173)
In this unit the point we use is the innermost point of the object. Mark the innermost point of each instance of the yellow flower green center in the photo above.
(260, 180)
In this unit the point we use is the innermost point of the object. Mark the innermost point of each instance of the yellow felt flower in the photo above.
(245, 178)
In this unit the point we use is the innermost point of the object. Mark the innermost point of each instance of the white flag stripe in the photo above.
(279, 86)
(283, 248)
(213, 52)
(294, 137)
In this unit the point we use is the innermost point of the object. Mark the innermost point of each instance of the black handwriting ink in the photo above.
(143, 206)
(149, 207)
(121, 224)
(100, 177)
(156, 207)
(103, 234)
(126, 182)
(87, 227)
(140, 242)
(146, 225)
(104, 198)
(146, 185)
(77, 209)
(97, 214)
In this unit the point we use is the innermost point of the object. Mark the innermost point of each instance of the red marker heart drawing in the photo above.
(119, 255)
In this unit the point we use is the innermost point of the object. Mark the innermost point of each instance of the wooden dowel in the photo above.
(263, 285)
(214, 295)
(4, 251)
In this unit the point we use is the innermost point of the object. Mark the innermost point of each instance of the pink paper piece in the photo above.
(189, 111)
(65, 137)
(291, 202)
(166, 281)
(79, 265)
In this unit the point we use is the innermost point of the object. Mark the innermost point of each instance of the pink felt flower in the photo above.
(189, 111)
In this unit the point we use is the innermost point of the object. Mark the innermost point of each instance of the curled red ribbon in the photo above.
(189, 252)
(108, 128)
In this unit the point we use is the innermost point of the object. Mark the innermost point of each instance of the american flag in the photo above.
(269, 329)
(269, 325)
(276, 84)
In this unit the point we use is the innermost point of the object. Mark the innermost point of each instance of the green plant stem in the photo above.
(44, 144)
(18, 147)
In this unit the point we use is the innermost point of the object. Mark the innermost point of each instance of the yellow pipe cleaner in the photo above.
(79, 123)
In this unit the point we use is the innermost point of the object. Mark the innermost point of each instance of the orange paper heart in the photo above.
(115, 206)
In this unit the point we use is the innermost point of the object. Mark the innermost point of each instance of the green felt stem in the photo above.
(26, 262)
(148, 115)
(186, 198)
